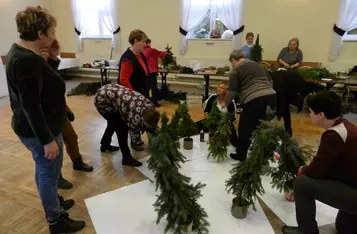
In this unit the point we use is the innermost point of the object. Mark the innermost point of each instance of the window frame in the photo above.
(101, 26)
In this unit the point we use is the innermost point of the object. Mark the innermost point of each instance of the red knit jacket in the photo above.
(336, 157)
(152, 56)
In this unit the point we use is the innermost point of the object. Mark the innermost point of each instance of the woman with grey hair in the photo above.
(249, 80)
(291, 56)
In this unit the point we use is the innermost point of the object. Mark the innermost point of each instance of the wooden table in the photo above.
(331, 83)
(206, 76)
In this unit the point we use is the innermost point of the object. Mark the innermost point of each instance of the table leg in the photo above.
(101, 77)
(164, 84)
(206, 87)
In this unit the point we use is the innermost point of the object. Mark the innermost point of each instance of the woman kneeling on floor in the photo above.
(232, 109)
(125, 109)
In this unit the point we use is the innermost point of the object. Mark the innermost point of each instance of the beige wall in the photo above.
(275, 20)
(8, 10)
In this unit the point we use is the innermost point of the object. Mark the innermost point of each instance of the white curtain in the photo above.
(78, 23)
(192, 13)
(346, 20)
(108, 17)
(230, 12)
(3, 83)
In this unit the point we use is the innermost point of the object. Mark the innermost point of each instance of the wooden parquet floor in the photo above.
(20, 207)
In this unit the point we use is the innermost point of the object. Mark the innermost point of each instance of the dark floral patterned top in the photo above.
(114, 98)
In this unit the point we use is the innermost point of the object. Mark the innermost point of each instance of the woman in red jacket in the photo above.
(133, 74)
(152, 55)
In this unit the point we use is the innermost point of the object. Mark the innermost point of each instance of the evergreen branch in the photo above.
(220, 141)
(178, 198)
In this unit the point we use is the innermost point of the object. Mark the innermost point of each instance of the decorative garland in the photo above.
(245, 182)
(178, 198)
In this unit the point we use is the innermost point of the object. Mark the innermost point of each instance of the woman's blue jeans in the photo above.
(47, 175)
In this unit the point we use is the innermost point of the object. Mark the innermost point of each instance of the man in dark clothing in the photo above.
(331, 177)
(290, 88)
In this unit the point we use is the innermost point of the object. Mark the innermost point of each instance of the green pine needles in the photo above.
(221, 139)
(245, 182)
(178, 198)
(213, 119)
(169, 58)
(256, 52)
(187, 127)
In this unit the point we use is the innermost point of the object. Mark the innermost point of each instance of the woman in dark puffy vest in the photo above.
(133, 74)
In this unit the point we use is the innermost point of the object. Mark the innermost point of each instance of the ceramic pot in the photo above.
(188, 143)
(239, 212)
(289, 196)
(210, 137)
(265, 168)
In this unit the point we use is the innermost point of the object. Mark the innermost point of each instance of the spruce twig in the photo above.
(178, 198)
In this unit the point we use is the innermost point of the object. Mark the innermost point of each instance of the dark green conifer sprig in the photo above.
(178, 198)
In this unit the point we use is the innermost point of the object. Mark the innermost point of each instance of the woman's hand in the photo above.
(54, 50)
(287, 66)
(44, 52)
(51, 150)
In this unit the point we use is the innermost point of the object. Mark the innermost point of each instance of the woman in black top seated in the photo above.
(220, 97)
(38, 104)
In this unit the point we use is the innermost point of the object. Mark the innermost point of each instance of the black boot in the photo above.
(64, 184)
(66, 204)
(295, 230)
(79, 165)
(109, 149)
(64, 224)
(131, 162)
(237, 157)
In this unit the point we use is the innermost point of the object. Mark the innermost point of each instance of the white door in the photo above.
(3, 84)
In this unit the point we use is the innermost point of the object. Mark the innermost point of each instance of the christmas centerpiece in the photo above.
(212, 120)
(221, 139)
(178, 198)
(169, 59)
(291, 158)
(187, 127)
(256, 52)
(245, 182)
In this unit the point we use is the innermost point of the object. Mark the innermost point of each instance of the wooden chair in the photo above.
(350, 88)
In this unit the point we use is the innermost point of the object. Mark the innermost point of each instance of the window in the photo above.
(94, 17)
(212, 27)
(351, 35)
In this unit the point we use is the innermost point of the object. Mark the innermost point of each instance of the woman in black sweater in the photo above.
(39, 110)
(220, 98)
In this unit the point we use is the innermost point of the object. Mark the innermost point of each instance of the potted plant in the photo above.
(173, 126)
(256, 52)
(178, 198)
(291, 158)
(212, 120)
(187, 127)
(221, 140)
(169, 59)
(245, 184)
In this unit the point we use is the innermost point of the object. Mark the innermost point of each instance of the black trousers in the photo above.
(284, 112)
(331, 192)
(116, 124)
(153, 87)
(249, 120)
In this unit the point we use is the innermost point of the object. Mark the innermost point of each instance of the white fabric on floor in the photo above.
(130, 210)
